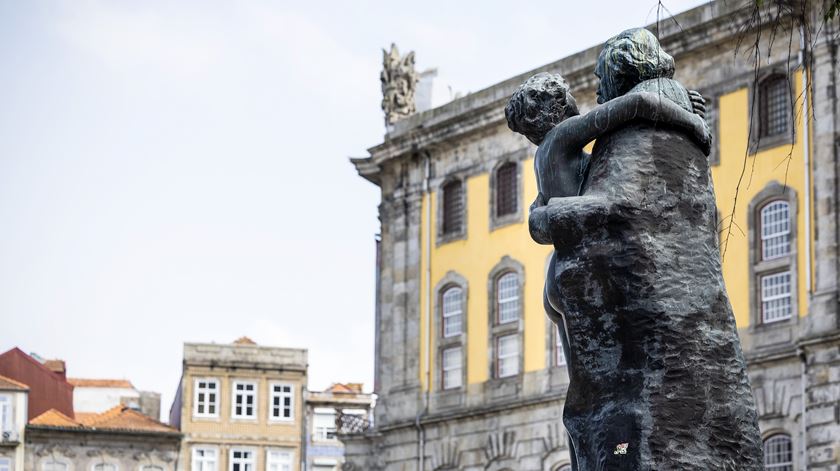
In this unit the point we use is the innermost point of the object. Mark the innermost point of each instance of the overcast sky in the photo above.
(177, 171)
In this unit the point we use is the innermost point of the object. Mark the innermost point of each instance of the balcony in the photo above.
(9, 438)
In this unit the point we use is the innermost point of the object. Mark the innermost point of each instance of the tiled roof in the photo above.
(57, 366)
(345, 388)
(8, 384)
(118, 418)
(244, 341)
(100, 383)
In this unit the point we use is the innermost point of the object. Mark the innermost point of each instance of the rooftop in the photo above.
(118, 418)
(100, 383)
(245, 353)
(8, 384)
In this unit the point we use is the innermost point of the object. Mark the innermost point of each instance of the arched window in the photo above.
(774, 106)
(775, 229)
(778, 453)
(104, 467)
(452, 302)
(453, 207)
(53, 465)
(507, 298)
(507, 201)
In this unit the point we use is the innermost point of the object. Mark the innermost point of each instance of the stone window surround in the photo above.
(516, 217)
(495, 330)
(758, 143)
(233, 394)
(757, 267)
(105, 464)
(272, 394)
(195, 448)
(794, 446)
(246, 449)
(443, 238)
(217, 403)
(68, 464)
(449, 280)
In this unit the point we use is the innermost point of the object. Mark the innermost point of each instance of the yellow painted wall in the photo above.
(474, 257)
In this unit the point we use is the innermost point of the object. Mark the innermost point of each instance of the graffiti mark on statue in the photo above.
(635, 284)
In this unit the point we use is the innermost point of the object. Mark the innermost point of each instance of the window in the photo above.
(507, 352)
(244, 400)
(5, 464)
(6, 413)
(452, 368)
(775, 230)
(282, 401)
(206, 398)
(559, 353)
(507, 298)
(204, 459)
(506, 190)
(52, 465)
(778, 453)
(104, 467)
(241, 459)
(453, 207)
(774, 106)
(775, 297)
(452, 312)
(151, 468)
(278, 460)
(323, 423)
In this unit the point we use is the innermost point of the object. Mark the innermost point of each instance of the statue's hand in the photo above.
(703, 134)
(698, 103)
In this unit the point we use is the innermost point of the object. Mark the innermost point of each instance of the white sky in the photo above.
(177, 171)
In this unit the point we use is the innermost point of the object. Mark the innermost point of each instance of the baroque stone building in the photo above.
(470, 373)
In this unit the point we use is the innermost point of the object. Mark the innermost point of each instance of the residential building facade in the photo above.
(13, 410)
(240, 407)
(99, 395)
(119, 439)
(324, 411)
(469, 372)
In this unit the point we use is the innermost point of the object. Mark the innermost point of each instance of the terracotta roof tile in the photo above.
(100, 383)
(244, 341)
(57, 366)
(119, 418)
(7, 384)
(344, 388)
(54, 418)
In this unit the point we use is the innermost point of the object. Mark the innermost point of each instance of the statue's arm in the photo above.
(561, 221)
(618, 112)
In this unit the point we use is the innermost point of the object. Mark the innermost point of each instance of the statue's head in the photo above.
(538, 105)
(629, 59)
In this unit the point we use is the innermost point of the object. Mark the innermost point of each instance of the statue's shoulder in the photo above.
(669, 88)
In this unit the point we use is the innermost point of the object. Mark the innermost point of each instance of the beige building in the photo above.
(13, 407)
(240, 407)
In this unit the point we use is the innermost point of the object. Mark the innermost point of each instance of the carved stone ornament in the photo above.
(399, 82)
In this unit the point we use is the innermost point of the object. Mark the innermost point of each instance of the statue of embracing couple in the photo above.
(657, 377)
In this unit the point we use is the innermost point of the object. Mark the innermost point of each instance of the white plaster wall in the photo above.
(100, 399)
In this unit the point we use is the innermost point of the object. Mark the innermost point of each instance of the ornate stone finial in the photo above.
(399, 82)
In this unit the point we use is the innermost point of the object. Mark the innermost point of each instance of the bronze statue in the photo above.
(657, 377)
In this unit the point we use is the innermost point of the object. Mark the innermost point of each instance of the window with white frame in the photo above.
(775, 230)
(452, 312)
(53, 465)
(5, 464)
(244, 400)
(559, 353)
(151, 468)
(452, 368)
(282, 401)
(6, 416)
(206, 397)
(323, 424)
(778, 453)
(507, 355)
(104, 467)
(242, 459)
(507, 298)
(278, 460)
(205, 458)
(776, 297)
